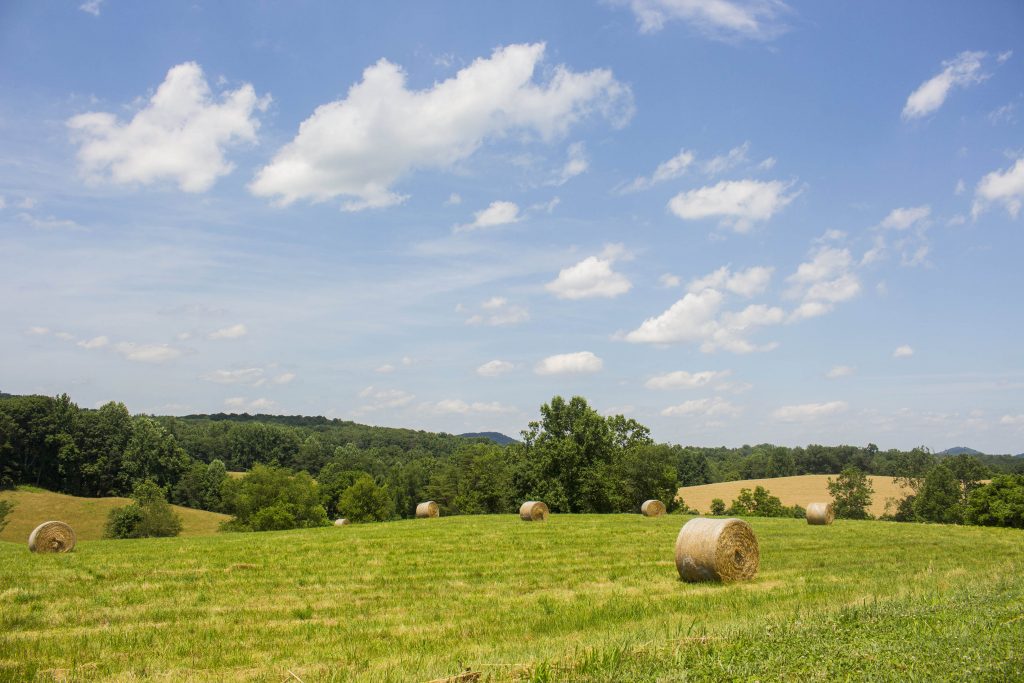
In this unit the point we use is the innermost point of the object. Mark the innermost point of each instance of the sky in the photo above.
(736, 221)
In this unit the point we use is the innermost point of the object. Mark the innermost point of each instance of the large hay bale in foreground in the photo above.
(652, 508)
(533, 511)
(820, 513)
(341, 522)
(52, 537)
(428, 509)
(717, 550)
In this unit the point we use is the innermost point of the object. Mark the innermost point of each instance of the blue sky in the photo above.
(735, 221)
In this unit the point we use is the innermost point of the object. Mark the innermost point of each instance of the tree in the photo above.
(999, 503)
(149, 516)
(940, 497)
(717, 506)
(969, 471)
(365, 501)
(761, 503)
(273, 498)
(200, 486)
(152, 453)
(851, 492)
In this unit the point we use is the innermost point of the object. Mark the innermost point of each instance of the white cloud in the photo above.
(454, 199)
(1003, 114)
(497, 311)
(905, 351)
(738, 203)
(668, 280)
(494, 368)
(255, 404)
(575, 165)
(1006, 187)
(703, 407)
(498, 213)
(822, 282)
(809, 411)
(251, 376)
(681, 379)
(746, 283)
(48, 223)
(91, 7)
(36, 329)
(548, 206)
(382, 399)
(838, 371)
(64, 336)
(725, 19)
(284, 378)
(592, 277)
(231, 332)
(1004, 56)
(147, 353)
(960, 188)
(726, 162)
(360, 146)
(1012, 420)
(695, 318)
(962, 71)
(180, 135)
(667, 170)
(385, 369)
(904, 218)
(94, 343)
(460, 407)
(570, 363)
(767, 164)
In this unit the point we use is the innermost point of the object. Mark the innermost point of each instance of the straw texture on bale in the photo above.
(52, 537)
(341, 522)
(533, 511)
(428, 509)
(717, 550)
(820, 513)
(652, 508)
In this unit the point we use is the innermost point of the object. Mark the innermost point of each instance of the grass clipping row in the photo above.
(717, 550)
(52, 537)
(820, 513)
(428, 509)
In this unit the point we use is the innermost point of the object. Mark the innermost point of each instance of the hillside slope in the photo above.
(801, 490)
(85, 515)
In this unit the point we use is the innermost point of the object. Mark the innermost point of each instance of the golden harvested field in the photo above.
(807, 488)
(85, 515)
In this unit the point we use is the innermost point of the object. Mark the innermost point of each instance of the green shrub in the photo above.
(365, 501)
(149, 516)
(999, 503)
(717, 506)
(761, 503)
(273, 498)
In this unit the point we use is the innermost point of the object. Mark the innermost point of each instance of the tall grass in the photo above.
(580, 597)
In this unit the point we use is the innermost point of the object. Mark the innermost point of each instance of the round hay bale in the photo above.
(341, 522)
(533, 511)
(428, 509)
(652, 508)
(52, 537)
(717, 550)
(820, 513)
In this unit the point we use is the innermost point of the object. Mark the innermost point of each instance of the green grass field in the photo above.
(579, 598)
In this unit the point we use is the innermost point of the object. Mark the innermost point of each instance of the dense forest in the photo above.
(572, 457)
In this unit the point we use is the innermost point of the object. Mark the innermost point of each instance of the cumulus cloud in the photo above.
(668, 280)
(230, 332)
(721, 19)
(667, 170)
(905, 351)
(737, 203)
(961, 71)
(681, 379)
(697, 317)
(1012, 420)
(251, 376)
(494, 368)
(703, 407)
(460, 407)
(592, 277)
(94, 343)
(904, 218)
(582, 362)
(1004, 187)
(822, 282)
(747, 283)
(382, 399)
(806, 412)
(147, 353)
(360, 146)
(180, 135)
(496, 312)
(498, 213)
(838, 371)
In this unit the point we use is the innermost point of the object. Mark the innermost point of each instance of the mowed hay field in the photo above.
(87, 516)
(576, 598)
(801, 490)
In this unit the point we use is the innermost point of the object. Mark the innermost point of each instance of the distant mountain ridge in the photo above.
(496, 437)
(960, 450)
